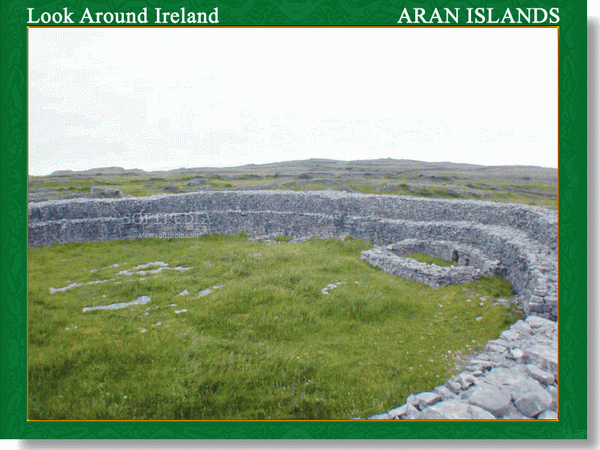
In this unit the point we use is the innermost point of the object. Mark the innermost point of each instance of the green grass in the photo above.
(428, 259)
(533, 192)
(266, 345)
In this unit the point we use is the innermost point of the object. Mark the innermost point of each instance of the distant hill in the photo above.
(98, 171)
(329, 167)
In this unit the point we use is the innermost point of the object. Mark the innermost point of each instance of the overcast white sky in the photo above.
(165, 98)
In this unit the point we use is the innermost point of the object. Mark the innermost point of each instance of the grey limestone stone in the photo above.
(513, 414)
(398, 412)
(532, 401)
(543, 377)
(454, 386)
(548, 415)
(423, 399)
(444, 392)
(383, 416)
(509, 335)
(522, 328)
(542, 356)
(453, 410)
(494, 399)
(553, 391)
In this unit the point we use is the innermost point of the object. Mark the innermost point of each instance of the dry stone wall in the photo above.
(520, 242)
(471, 264)
(522, 238)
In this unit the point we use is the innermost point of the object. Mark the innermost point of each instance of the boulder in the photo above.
(453, 410)
(197, 182)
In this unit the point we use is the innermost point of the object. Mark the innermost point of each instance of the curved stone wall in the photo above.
(470, 264)
(522, 238)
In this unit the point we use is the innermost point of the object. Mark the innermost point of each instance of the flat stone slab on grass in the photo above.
(325, 290)
(73, 285)
(138, 301)
(207, 291)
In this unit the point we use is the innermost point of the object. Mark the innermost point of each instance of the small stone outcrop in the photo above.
(99, 192)
(197, 182)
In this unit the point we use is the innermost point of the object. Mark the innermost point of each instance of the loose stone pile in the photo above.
(516, 377)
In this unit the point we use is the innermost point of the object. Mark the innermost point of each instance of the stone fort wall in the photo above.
(522, 239)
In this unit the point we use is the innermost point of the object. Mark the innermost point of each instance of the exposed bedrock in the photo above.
(517, 241)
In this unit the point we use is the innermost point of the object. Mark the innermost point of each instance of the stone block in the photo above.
(495, 400)
(398, 412)
(384, 416)
(537, 322)
(553, 391)
(509, 335)
(513, 414)
(425, 399)
(444, 392)
(496, 348)
(548, 415)
(453, 410)
(532, 402)
(453, 386)
(522, 328)
(543, 356)
(543, 377)
(517, 354)
(465, 379)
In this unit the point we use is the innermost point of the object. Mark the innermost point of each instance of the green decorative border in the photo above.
(572, 229)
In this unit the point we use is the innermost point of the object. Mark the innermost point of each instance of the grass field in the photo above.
(264, 343)
(520, 184)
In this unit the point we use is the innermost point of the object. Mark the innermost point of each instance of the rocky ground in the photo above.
(515, 378)
(534, 185)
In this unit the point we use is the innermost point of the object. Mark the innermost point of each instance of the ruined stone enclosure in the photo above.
(516, 241)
